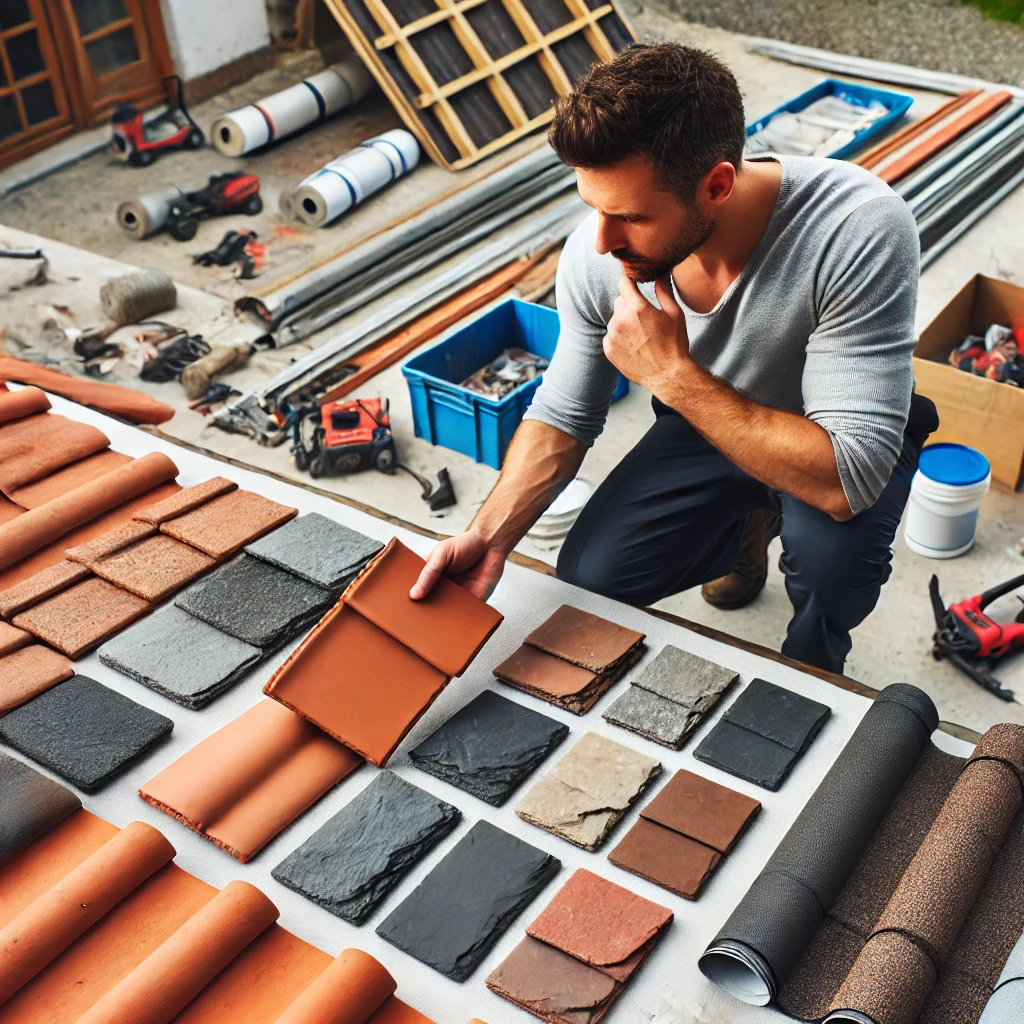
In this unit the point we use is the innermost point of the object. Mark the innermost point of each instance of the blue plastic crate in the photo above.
(454, 417)
(898, 104)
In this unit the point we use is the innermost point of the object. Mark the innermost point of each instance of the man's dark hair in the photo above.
(678, 105)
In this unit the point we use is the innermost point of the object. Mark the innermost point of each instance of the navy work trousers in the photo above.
(671, 516)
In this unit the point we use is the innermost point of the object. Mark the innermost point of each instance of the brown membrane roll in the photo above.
(350, 991)
(55, 919)
(178, 970)
(40, 526)
(15, 404)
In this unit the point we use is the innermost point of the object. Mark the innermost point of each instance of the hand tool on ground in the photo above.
(973, 641)
(174, 357)
(234, 192)
(139, 143)
(198, 376)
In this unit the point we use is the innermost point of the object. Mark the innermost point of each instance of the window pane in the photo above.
(112, 52)
(94, 14)
(13, 12)
(10, 123)
(38, 101)
(25, 56)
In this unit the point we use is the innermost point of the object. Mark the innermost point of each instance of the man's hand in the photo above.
(648, 345)
(468, 560)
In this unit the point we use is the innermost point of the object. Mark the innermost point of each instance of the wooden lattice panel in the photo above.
(469, 77)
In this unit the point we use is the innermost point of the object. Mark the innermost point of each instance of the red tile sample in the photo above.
(40, 586)
(78, 619)
(187, 499)
(27, 672)
(240, 786)
(12, 638)
(67, 479)
(36, 446)
(558, 682)
(152, 568)
(24, 402)
(226, 524)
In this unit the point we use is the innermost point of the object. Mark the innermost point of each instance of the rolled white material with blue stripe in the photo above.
(336, 188)
(292, 109)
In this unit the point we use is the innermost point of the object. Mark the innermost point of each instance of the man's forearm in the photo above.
(781, 449)
(539, 463)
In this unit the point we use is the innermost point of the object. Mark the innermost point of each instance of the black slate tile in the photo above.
(256, 602)
(180, 657)
(30, 804)
(746, 755)
(778, 714)
(350, 864)
(453, 918)
(83, 731)
(489, 747)
(318, 549)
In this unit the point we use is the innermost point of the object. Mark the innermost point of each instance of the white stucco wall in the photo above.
(206, 34)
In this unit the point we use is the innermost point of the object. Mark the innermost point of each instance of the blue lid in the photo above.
(953, 464)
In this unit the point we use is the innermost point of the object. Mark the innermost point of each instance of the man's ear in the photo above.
(718, 183)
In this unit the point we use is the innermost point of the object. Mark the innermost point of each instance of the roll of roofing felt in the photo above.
(37, 527)
(776, 920)
(146, 215)
(16, 404)
(292, 109)
(350, 991)
(327, 194)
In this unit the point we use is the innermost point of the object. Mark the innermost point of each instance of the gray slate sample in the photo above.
(30, 804)
(350, 864)
(318, 549)
(453, 918)
(652, 716)
(256, 602)
(489, 747)
(83, 731)
(180, 657)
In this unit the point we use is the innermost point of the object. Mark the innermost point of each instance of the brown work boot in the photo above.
(748, 575)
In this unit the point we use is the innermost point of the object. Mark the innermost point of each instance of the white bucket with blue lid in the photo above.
(945, 495)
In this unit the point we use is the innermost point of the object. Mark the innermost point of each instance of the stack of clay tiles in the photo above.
(98, 924)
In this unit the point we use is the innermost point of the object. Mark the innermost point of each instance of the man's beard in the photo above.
(640, 268)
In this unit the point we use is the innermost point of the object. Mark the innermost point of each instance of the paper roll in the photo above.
(289, 111)
(146, 215)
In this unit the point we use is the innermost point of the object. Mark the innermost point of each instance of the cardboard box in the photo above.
(974, 410)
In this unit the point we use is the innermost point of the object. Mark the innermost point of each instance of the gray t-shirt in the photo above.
(819, 322)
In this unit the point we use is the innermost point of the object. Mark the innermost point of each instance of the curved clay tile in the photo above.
(26, 402)
(67, 479)
(349, 991)
(35, 447)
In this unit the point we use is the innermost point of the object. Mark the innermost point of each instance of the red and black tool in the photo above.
(972, 640)
(234, 192)
(139, 143)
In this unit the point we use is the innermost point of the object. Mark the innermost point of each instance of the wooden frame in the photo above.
(431, 99)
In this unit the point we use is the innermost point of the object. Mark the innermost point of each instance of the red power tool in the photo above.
(233, 192)
(140, 144)
(972, 640)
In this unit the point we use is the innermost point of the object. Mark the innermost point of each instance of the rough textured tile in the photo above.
(36, 446)
(78, 619)
(67, 479)
(30, 804)
(350, 864)
(489, 747)
(653, 717)
(12, 638)
(224, 525)
(453, 918)
(666, 858)
(679, 676)
(778, 714)
(746, 755)
(180, 656)
(153, 568)
(584, 639)
(25, 673)
(109, 542)
(185, 500)
(318, 549)
(83, 731)
(588, 790)
(42, 585)
(558, 682)
(255, 602)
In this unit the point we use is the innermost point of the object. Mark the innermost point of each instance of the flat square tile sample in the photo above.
(27, 672)
(318, 549)
(357, 683)
(558, 682)
(30, 804)
(763, 734)
(350, 864)
(185, 500)
(453, 918)
(40, 586)
(581, 951)
(83, 731)
(180, 656)
(224, 525)
(244, 783)
(12, 638)
(489, 747)
(684, 832)
(588, 790)
(653, 717)
(78, 619)
(255, 602)
(109, 542)
(447, 628)
(584, 639)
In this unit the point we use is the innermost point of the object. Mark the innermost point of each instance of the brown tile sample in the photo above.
(67, 479)
(40, 586)
(369, 707)
(78, 619)
(110, 542)
(684, 832)
(588, 790)
(36, 446)
(558, 682)
(447, 628)
(243, 784)
(226, 524)
(153, 568)
(187, 499)
(26, 673)
(584, 639)
(23, 402)
(12, 638)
